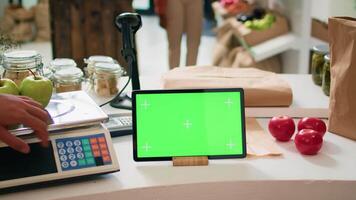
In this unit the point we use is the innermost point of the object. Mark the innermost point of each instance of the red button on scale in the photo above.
(106, 159)
(101, 140)
(94, 147)
(104, 152)
(96, 153)
(93, 141)
(103, 146)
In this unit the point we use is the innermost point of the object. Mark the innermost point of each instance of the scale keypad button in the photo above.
(63, 157)
(77, 142)
(60, 145)
(90, 161)
(69, 143)
(70, 150)
(71, 157)
(73, 163)
(81, 162)
(80, 155)
(95, 147)
(65, 164)
(78, 149)
(83, 152)
(88, 154)
(62, 151)
(106, 159)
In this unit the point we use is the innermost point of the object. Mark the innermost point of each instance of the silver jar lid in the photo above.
(321, 49)
(68, 74)
(111, 68)
(21, 59)
(59, 63)
(327, 57)
(99, 58)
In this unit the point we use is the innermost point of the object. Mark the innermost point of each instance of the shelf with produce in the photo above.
(294, 46)
(274, 46)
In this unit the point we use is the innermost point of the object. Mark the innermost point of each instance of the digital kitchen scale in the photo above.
(79, 145)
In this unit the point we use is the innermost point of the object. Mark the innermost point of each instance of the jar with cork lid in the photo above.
(17, 64)
(68, 79)
(106, 78)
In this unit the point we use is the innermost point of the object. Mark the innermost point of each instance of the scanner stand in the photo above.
(122, 102)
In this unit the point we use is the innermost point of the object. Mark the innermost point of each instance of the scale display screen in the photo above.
(188, 123)
(15, 165)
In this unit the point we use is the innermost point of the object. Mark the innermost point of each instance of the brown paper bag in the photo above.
(342, 110)
(262, 88)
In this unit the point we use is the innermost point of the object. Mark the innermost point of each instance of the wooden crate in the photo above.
(82, 28)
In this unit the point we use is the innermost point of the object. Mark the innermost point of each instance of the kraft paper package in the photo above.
(262, 88)
(342, 109)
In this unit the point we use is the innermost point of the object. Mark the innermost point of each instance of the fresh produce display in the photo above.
(282, 128)
(257, 13)
(7, 86)
(261, 24)
(312, 123)
(36, 87)
(308, 141)
(309, 138)
(226, 3)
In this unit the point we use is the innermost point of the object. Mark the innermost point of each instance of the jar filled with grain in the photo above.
(96, 59)
(106, 78)
(68, 79)
(318, 62)
(17, 64)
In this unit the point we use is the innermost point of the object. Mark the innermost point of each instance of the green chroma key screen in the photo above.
(188, 123)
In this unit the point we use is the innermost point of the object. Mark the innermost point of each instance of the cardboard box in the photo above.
(320, 30)
(250, 37)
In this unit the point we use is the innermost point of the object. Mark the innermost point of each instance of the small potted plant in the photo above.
(6, 43)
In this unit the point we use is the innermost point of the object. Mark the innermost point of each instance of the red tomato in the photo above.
(282, 128)
(308, 141)
(313, 123)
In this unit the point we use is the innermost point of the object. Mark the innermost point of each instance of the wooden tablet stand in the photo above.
(190, 161)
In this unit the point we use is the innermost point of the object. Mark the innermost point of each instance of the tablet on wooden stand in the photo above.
(188, 126)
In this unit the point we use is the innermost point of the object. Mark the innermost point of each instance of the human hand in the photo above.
(22, 110)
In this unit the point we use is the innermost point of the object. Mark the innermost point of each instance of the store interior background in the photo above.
(152, 43)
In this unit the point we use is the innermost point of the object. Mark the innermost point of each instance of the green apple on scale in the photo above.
(38, 88)
(7, 86)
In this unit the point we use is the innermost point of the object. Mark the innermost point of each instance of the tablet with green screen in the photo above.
(174, 123)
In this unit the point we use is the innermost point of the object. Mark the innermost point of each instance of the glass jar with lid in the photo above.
(17, 64)
(318, 62)
(106, 78)
(326, 75)
(68, 79)
(60, 63)
(95, 59)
